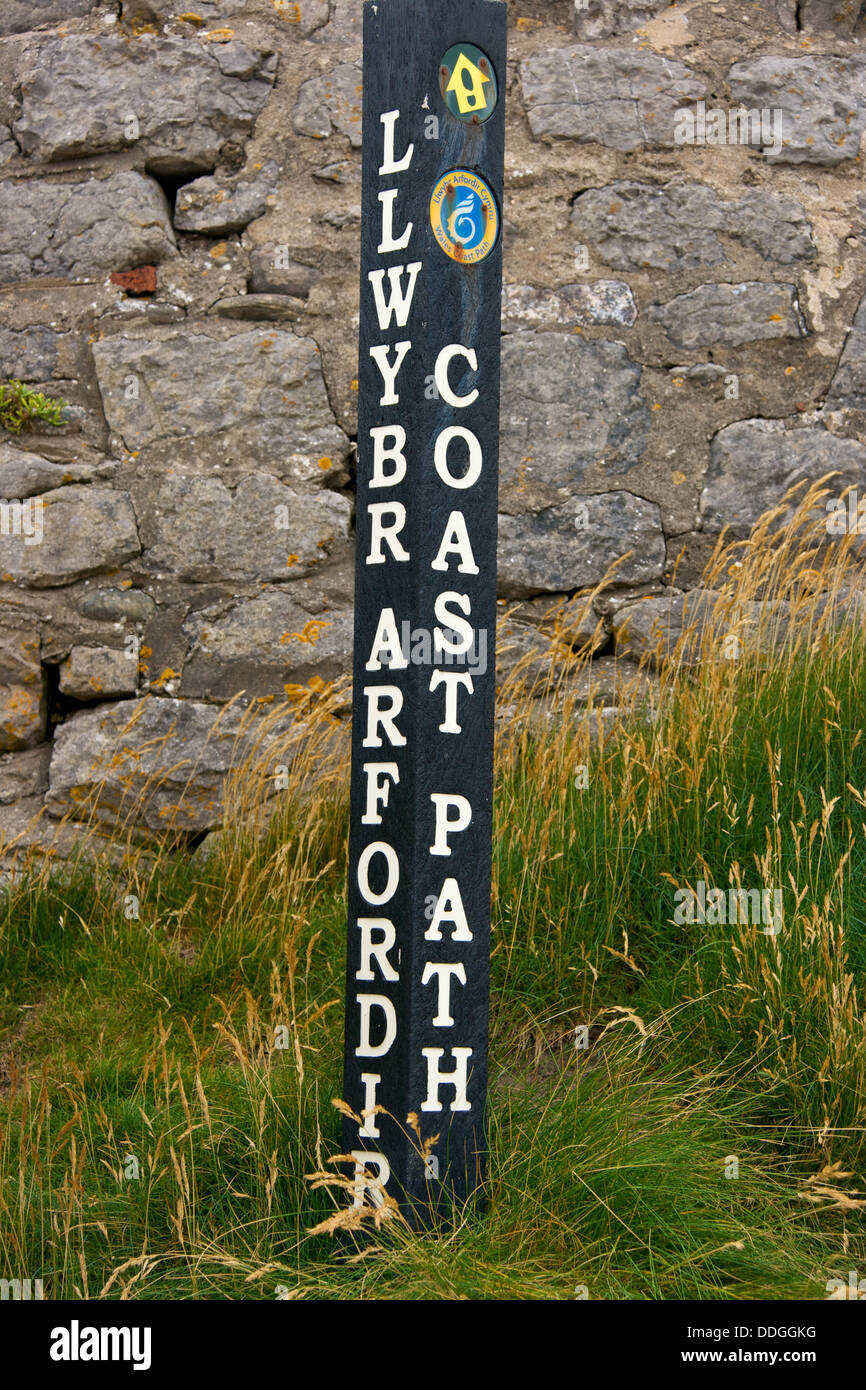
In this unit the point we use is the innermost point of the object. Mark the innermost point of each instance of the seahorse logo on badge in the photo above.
(464, 216)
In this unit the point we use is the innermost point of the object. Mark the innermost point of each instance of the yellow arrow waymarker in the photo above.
(470, 97)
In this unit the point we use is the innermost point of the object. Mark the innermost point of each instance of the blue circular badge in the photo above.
(464, 216)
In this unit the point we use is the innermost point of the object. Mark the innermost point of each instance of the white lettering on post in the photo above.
(451, 680)
(458, 1078)
(382, 534)
(393, 453)
(456, 542)
(464, 631)
(476, 457)
(390, 164)
(376, 950)
(399, 301)
(443, 974)
(443, 386)
(392, 865)
(446, 825)
(389, 242)
(389, 370)
(364, 1183)
(367, 1003)
(387, 639)
(378, 792)
(369, 1129)
(387, 718)
(449, 908)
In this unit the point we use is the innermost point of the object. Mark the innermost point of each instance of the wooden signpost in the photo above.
(422, 746)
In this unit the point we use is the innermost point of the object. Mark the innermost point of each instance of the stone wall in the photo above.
(684, 335)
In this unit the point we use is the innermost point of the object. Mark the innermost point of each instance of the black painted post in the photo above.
(422, 748)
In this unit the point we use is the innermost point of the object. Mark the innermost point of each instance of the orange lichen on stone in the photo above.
(310, 632)
(300, 694)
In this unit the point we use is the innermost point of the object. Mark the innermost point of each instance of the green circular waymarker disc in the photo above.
(468, 83)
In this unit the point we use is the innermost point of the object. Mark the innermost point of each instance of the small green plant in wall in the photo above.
(21, 408)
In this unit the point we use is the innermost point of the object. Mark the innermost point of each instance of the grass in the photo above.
(172, 1029)
(21, 407)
